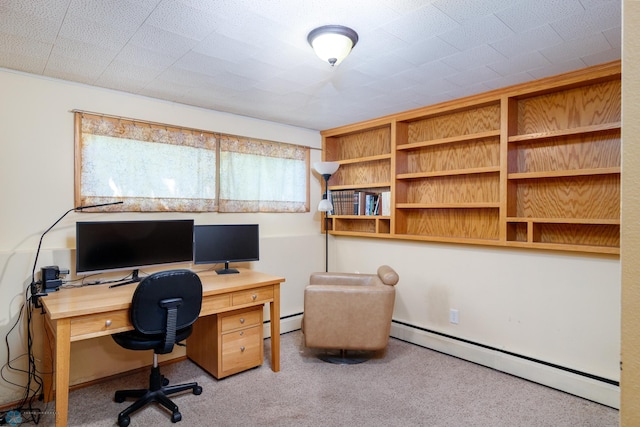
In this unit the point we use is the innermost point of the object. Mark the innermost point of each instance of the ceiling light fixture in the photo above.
(332, 43)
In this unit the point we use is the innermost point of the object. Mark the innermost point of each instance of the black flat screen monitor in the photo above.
(225, 243)
(121, 245)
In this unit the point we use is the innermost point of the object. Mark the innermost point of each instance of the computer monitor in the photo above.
(103, 246)
(225, 243)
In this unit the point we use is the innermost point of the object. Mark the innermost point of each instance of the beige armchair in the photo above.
(347, 311)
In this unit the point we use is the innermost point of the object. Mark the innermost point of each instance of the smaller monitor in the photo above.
(225, 243)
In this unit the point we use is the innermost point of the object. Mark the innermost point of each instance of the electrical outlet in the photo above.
(454, 316)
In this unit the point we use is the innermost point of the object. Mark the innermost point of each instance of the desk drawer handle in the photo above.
(241, 333)
(107, 323)
(254, 296)
(242, 348)
(241, 320)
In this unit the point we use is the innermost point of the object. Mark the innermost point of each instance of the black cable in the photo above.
(32, 390)
(35, 385)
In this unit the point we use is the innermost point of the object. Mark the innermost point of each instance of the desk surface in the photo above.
(72, 302)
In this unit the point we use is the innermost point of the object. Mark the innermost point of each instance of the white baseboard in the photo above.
(289, 324)
(579, 385)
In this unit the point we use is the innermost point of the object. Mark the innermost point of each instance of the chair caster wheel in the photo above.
(165, 382)
(197, 390)
(175, 417)
(119, 398)
(123, 421)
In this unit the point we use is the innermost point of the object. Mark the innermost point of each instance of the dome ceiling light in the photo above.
(332, 43)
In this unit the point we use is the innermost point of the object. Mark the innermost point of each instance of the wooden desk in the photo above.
(92, 311)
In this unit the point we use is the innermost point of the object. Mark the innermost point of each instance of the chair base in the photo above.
(157, 392)
(345, 358)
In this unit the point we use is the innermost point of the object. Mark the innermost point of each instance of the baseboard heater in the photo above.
(520, 356)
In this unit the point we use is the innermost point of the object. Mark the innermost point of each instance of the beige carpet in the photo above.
(406, 386)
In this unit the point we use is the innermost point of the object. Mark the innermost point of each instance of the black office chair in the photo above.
(163, 308)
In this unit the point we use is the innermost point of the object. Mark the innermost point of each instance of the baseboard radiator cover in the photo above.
(599, 390)
(289, 323)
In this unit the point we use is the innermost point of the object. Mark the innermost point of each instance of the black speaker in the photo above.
(50, 277)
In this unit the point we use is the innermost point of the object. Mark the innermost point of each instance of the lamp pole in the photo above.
(326, 169)
(326, 224)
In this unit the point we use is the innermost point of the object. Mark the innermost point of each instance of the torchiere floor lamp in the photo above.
(326, 169)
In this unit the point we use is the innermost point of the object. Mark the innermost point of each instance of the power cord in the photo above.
(25, 411)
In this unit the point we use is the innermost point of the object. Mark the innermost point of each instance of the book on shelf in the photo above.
(342, 202)
(330, 198)
(358, 202)
(385, 202)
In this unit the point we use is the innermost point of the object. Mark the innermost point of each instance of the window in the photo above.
(153, 167)
(262, 176)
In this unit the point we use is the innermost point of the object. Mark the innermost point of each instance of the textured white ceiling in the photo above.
(251, 57)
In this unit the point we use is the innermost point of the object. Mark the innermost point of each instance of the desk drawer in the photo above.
(100, 324)
(213, 304)
(252, 295)
(241, 350)
(241, 319)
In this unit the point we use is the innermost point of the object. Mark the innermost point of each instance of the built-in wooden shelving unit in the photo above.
(534, 165)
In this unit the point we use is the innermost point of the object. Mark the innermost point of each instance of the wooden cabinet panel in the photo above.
(240, 319)
(214, 304)
(227, 343)
(455, 123)
(96, 324)
(456, 189)
(362, 175)
(574, 107)
(454, 224)
(586, 197)
(252, 296)
(241, 350)
(356, 145)
(478, 153)
(575, 152)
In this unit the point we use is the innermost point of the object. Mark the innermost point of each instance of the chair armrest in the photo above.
(388, 275)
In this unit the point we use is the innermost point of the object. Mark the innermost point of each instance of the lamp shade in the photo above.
(325, 206)
(332, 43)
(326, 168)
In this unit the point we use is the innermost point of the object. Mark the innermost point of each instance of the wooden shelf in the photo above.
(564, 173)
(566, 220)
(359, 217)
(361, 234)
(469, 171)
(534, 137)
(366, 159)
(360, 186)
(447, 205)
(447, 239)
(450, 140)
(566, 248)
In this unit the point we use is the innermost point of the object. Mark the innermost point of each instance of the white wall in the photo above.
(559, 308)
(552, 306)
(37, 187)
